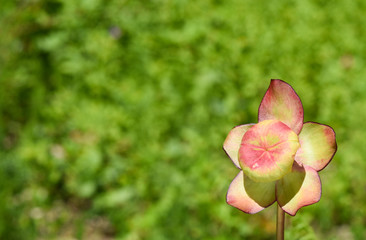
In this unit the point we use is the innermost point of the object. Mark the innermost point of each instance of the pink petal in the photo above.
(318, 145)
(282, 103)
(248, 196)
(267, 151)
(301, 187)
(233, 141)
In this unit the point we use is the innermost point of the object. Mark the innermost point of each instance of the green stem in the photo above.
(280, 227)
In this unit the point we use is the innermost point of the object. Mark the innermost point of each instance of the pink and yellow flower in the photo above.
(279, 157)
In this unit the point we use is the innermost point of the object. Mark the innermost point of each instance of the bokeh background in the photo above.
(113, 114)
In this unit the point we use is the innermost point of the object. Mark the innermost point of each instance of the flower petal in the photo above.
(301, 187)
(248, 196)
(233, 141)
(267, 151)
(318, 145)
(282, 103)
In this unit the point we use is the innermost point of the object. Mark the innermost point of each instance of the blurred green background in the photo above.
(113, 114)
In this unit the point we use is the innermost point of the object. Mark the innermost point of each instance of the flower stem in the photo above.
(280, 227)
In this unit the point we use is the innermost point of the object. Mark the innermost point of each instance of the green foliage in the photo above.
(300, 228)
(113, 114)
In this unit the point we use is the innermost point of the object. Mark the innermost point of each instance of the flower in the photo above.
(279, 157)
